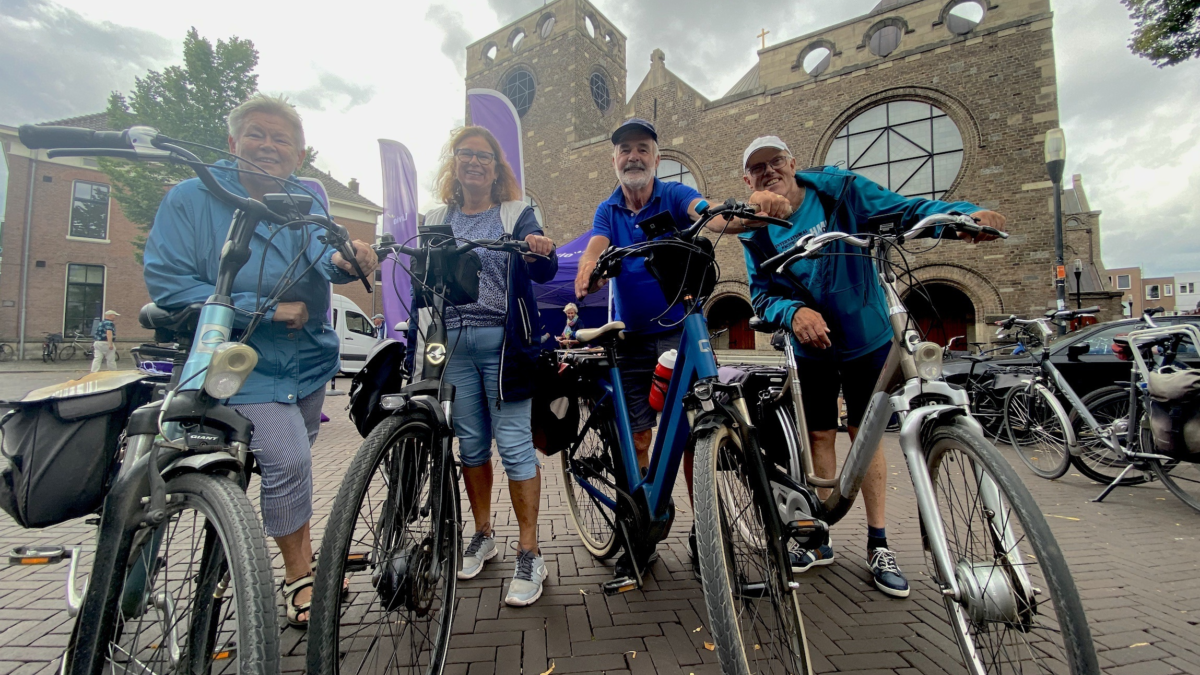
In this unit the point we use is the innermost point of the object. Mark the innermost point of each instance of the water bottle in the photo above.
(662, 379)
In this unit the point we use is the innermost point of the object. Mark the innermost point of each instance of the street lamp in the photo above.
(1056, 160)
(1078, 290)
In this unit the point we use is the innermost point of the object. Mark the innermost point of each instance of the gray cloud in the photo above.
(55, 63)
(333, 90)
(456, 38)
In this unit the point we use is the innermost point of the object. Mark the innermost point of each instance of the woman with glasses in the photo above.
(494, 343)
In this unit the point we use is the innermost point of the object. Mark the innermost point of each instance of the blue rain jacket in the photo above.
(182, 255)
(843, 288)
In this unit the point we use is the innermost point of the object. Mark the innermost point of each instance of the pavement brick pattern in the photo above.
(1135, 558)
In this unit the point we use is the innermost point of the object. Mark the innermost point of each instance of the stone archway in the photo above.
(943, 313)
(733, 312)
(965, 294)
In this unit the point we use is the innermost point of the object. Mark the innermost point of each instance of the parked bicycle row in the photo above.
(181, 576)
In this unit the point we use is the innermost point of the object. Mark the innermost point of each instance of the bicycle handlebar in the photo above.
(388, 244)
(50, 137)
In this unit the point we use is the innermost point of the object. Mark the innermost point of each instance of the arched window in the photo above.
(546, 25)
(909, 147)
(600, 95)
(519, 88)
(965, 16)
(670, 170)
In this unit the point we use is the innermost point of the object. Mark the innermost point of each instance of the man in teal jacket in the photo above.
(838, 316)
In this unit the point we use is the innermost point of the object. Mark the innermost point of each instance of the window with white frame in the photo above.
(89, 210)
(1123, 283)
(1168, 290)
(1153, 292)
(84, 298)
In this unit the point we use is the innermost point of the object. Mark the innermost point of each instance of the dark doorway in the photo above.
(945, 314)
(734, 313)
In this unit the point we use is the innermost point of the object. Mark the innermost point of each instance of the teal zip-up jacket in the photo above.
(843, 288)
(182, 255)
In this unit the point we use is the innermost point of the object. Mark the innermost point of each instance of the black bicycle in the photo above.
(395, 531)
(181, 577)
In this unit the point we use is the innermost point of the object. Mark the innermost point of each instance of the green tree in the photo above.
(1165, 31)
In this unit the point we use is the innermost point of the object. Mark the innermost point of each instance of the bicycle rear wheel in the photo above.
(1019, 611)
(1182, 478)
(66, 353)
(198, 596)
(7, 353)
(754, 613)
(380, 536)
(589, 475)
(1110, 407)
(1037, 428)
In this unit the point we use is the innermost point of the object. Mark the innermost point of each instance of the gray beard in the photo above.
(635, 183)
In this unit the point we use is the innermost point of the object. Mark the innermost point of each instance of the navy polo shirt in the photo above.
(636, 295)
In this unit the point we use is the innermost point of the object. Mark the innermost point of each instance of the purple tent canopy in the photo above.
(560, 290)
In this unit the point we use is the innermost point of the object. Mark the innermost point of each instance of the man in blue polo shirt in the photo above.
(652, 326)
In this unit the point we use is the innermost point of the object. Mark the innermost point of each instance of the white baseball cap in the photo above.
(111, 312)
(761, 142)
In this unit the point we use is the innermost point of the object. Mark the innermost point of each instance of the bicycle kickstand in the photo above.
(625, 584)
(1113, 485)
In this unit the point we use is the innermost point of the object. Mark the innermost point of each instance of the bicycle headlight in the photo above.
(928, 356)
(232, 363)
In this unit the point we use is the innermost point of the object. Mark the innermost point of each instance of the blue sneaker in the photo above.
(526, 586)
(888, 577)
(803, 559)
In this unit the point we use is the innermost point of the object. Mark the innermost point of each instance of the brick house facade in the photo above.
(78, 266)
(995, 81)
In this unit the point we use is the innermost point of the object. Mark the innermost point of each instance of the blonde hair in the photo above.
(270, 105)
(571, 305)
(446, 186)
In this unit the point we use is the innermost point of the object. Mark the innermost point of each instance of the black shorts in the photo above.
(637, 355)
(821, 380)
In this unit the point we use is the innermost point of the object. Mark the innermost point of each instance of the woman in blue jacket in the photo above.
(493, 346)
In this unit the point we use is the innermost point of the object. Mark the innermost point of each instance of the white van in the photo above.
(356, 332)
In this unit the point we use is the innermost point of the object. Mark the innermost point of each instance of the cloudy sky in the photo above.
(394, 70)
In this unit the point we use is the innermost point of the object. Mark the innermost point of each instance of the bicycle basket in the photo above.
(683, 270)
(462, 283)
(62, 446)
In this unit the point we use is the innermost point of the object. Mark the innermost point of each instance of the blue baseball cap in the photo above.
(634, 124)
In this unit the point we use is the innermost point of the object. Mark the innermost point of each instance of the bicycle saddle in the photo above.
(611, 330)
(153, 317)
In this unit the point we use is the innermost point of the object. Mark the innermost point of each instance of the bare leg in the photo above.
(479, 492)
(874, 488)
(297, 561)
(641, 443)
(526, 497)
(824, 456)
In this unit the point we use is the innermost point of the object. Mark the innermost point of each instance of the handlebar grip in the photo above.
(1151, 311)
(772, 264)
(48, 137)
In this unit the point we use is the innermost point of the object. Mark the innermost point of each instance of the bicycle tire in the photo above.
(1038, 430)
(592, 461)
(1096, 461)
(373, 597)
(233, 553)
(1181, 477)
(743, 649)
(1061, 634)
(48, 353)
(66, 353)
(7, 353)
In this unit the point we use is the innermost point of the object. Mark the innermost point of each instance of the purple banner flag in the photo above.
(319, 189)
(399, 220)
(493, 111)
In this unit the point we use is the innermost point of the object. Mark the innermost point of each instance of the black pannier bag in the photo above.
(761, 386)
(555, 406)
(61, 450)
(1175, 412)
(382, 374)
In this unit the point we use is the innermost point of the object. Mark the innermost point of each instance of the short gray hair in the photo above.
(270, 105)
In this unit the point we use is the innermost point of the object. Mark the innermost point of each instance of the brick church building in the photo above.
(935, 98)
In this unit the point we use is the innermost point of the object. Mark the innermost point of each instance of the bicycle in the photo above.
(78, 342)
(50, 347)
(7, 353)
(395, 519)
(747, 507)
(177, 533)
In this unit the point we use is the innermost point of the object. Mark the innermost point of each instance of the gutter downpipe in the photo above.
(25, 254)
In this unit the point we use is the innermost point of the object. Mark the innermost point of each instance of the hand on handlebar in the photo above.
(987, 219)
(586, 281)
(365, 256)
(538, 246)
(810, 328)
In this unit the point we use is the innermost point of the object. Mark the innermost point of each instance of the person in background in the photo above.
(573, 326)
(105, 336)
(380, 327)
(494, 349)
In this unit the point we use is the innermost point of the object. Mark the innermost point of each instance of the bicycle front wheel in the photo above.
(1182, 478)
(1019, 610)
(589, 476)
(198, 596)
(7, 353)
(67, 353)
(1037, 428)
(754, 613)
(381, 535)
(1110, 407)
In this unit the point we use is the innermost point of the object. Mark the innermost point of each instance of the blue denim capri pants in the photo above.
(479, 414)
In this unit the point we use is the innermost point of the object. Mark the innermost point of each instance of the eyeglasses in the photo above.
(757, 170)
(464, 155)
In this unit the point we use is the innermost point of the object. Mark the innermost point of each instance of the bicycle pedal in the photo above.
(357, 562)
(809, 533)
(37, 555)
(617, 586)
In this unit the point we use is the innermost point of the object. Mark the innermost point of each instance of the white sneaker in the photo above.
(481, 549)
(526, 586)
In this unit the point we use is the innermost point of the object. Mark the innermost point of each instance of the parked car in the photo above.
(1099, 367)
(356, 332)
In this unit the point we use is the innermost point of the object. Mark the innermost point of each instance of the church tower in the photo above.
(563, 67)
